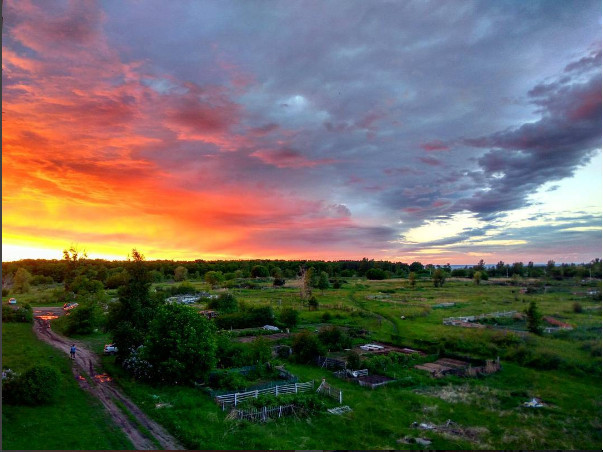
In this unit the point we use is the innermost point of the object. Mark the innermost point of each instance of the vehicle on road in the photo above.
(12, 301)
(110, 349)
(70, 306)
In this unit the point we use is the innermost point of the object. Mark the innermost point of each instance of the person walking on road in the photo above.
(72, 351)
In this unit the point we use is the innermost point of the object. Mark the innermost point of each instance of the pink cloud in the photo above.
(288, 158)
(430, 161)
(435, 145)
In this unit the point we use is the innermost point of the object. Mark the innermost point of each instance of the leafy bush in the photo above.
(37, 386)
(23, 314)
(306, 347)
(375, 274)
(334, 338)
(226, 303)
(39, 280)
(353, 360)
(5, 292)
(249, 317)
(183, 289)
(289, 317)
(326, 317)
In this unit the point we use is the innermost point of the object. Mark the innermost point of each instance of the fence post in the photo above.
(256, 393)
(276, 391)
(296, 388)
(340, 396)
(235, 399)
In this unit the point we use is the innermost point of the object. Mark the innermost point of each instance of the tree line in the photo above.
(77, 271)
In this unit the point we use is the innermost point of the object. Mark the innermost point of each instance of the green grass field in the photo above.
(562, 369)
(74, 421)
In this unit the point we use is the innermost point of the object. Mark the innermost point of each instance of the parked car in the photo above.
(110, 349)
(12, 301)
(69, 306)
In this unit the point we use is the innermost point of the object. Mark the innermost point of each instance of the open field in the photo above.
(74, 421)
(563, 370)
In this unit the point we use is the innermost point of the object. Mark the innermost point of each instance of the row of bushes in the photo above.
(37, 386)
(23, 314)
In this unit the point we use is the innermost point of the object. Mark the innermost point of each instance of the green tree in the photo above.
(88, 316)
(533, 319)
(313, 303)
(477, 277)
(323, 282)
(180, 345)
(180, 273)
(412, 279)
(37, 386)
(260, 351)
(21, 280)
(259, 271)
(416, 267)
(214, 278)
(130, 316)
(74, 260)
(289, 317)
(306, 347)
(439, 278)
(375, 274)
(225, 303)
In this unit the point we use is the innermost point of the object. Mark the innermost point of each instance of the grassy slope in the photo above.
(75, 421)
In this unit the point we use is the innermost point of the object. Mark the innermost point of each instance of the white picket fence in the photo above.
(235, 398)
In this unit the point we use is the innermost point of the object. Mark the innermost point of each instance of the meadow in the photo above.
(561, 369)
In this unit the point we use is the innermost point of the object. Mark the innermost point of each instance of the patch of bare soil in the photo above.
(91, 378)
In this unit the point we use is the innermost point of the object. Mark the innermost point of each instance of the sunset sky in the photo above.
(444, 132)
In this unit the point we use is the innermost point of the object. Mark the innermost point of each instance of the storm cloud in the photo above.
(254, 129)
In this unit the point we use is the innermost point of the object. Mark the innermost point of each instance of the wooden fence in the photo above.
(235, 398)
(330, 363)
(330, 391)
(261, 414)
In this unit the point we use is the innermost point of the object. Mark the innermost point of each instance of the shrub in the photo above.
(334, 338)
(248, 317)
(183, 289)
(22, 314)
(85, 318)
(306, 347)
(37, 386)
(375, 274)
(577, 307)
(326, 317)
(289, 317)
(226, 303)
(5, 292)
(353, 360)
(8, 313)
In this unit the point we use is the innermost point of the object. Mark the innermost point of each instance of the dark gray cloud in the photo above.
(387, 115)
(521, 160)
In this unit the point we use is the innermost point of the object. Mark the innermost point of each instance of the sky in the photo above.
(443, 132)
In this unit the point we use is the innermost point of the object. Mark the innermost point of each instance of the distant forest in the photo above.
(112, 273)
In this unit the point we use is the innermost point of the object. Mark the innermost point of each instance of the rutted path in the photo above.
(86, 365)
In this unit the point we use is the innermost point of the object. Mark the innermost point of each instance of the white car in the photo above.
(12, 301)
(69, 306)
(110, 349)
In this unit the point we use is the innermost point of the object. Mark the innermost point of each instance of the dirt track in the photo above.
(88, 372)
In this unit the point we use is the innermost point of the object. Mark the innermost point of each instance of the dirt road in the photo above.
(88, 371)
